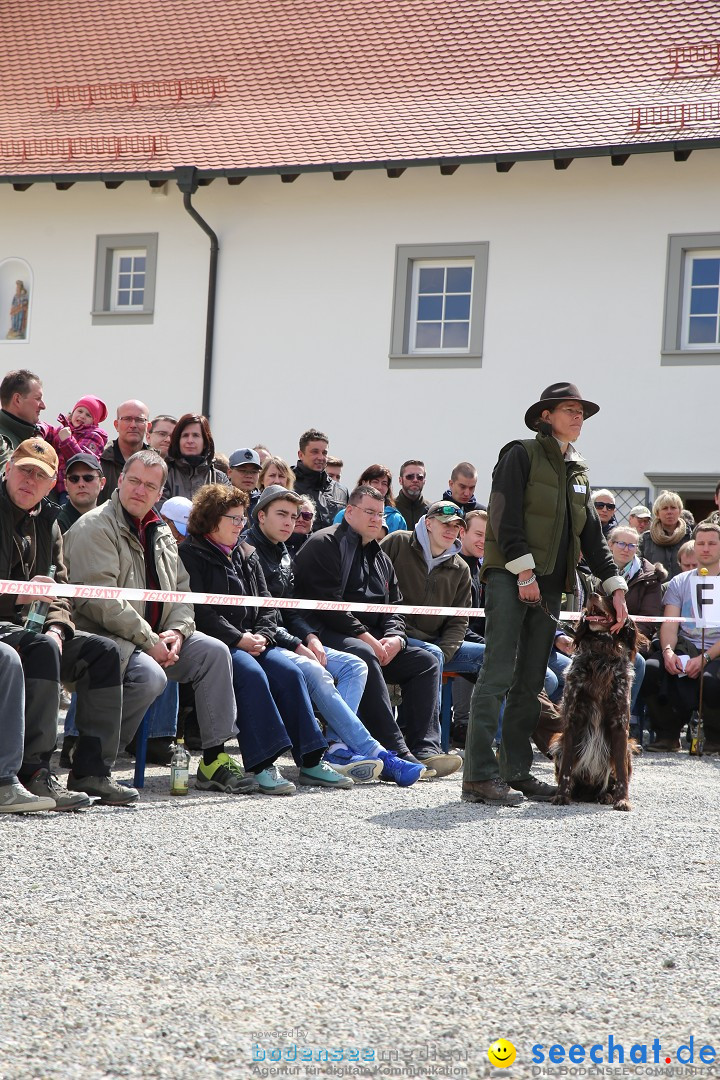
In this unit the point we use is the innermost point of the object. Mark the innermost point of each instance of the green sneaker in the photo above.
(272, 782)
(323, 775)
(225, 775)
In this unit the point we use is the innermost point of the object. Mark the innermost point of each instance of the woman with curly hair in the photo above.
(191, 459)
(274, 709)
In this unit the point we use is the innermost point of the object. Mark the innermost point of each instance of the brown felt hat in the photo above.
(552, 396)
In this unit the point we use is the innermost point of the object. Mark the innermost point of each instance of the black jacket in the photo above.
(476, 626)
(240, 575)
(473, 504)
(277, 566)
(411, 511)
(38, 534)
(327, 494)
(322, 569)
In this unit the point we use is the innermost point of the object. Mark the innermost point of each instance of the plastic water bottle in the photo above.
(180, 769)
(36, 616)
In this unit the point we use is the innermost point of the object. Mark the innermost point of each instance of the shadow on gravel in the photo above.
(454, 814)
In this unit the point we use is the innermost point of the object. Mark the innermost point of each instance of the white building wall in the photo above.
(575, 291)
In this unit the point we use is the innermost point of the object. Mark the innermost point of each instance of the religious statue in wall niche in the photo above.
(19, 312)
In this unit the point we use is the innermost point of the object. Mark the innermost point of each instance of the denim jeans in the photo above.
(274, 708)
(12, 711)
(342, 723)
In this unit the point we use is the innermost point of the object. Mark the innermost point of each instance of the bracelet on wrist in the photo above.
(706, 657)
(668, 648)
(529, 581)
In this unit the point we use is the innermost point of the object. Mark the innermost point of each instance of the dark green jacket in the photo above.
(534, 487)
(446, 585)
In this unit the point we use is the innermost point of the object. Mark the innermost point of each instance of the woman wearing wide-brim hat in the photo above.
(540, 518)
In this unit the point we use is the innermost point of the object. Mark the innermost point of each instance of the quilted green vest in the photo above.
(551, 482)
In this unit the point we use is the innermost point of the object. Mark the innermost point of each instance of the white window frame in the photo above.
(115, 290)
(676, 348)
(105, 310)
(445, 264)
(408, 259)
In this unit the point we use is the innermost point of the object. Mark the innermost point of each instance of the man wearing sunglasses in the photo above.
(409, 501)
(84, 479)
(604, 501)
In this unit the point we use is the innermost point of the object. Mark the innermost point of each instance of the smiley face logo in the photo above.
(501, 1053)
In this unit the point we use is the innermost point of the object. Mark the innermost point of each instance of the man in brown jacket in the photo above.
(30, 544)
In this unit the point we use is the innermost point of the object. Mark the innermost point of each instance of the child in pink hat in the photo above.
(80, 433)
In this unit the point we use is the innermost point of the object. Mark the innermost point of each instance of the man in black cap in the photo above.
(541, 516)
(244, 470)
(84, 480)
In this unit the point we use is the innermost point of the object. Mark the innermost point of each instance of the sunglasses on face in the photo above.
(77, 477)
(305, 515)
(413, 476)
(604, 506)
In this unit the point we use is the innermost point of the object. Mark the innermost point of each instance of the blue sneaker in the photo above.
(397, 771)
(361, 770)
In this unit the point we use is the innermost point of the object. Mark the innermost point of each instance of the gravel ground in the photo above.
(188, 937)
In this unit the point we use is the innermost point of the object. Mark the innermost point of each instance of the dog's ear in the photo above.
(628, 637)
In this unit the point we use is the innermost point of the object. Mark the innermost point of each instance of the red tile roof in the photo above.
(116, 87)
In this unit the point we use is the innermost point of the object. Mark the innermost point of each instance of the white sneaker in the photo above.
(15, 799)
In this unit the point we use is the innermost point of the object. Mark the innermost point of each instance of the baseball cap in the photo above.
(244, 456)
(177, 510)
(640, 511)
(84, 459)
(36, 452)
(448, 511)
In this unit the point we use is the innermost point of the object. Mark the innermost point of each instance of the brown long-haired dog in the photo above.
(593, 752)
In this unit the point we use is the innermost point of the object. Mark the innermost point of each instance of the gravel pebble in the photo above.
(158, 941)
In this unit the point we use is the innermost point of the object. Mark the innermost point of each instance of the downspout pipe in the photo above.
(187, 184)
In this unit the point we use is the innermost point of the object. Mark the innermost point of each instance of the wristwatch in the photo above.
(56, 629)
(707, 657)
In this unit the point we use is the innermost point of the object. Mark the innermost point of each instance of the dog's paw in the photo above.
(606, 799)
(560, 800)
(622, 804)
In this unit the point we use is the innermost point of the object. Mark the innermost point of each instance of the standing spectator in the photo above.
(380, 478)
(410, 502)
(334, 468)
(639, 519)
(667, 533)
(461, 488)
(346, 562)
(160, 432)
(275, 470)
(311, 478)
(131, 425)
(540, 517)
(604, 501)
(190, 460)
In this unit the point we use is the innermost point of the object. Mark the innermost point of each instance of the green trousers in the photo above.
(518, 639)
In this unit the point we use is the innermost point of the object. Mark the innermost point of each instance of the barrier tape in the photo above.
(40, 589)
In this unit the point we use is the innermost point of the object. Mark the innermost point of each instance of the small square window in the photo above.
(125, 271)
(691, 330)
(439, 305)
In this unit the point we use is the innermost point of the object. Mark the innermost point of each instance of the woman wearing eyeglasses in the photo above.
(644, 581)
(275, 713)
(380, 478)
